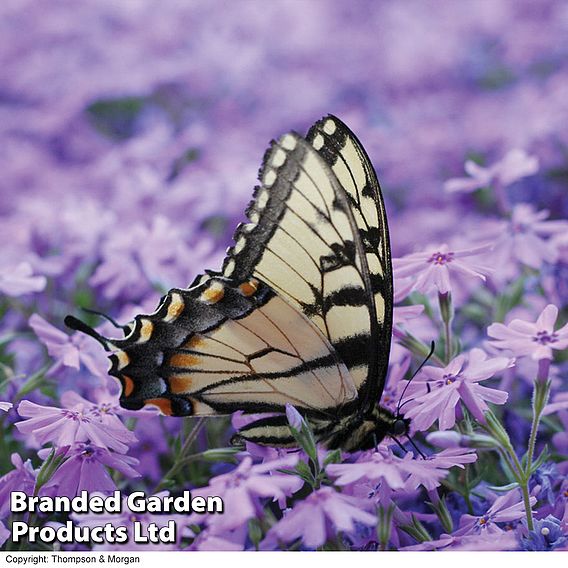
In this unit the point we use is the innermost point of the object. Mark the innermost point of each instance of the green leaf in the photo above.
(504, 488)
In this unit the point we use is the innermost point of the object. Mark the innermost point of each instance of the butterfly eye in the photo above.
(399, 427)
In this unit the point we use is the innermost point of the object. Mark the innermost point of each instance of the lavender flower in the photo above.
(536, 340)
(459, 381)
(321, 516)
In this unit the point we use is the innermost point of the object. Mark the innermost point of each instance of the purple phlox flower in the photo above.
(85, 468)
(65, 426)
(506, 508)
(459, 381)
(523, 338)
(429, 472)
(106, 405)
(69, 350)
(319, 517)
(406, 473)
(5, 405)
(376, 466)
(21, 478)
(433, 267)
(243, 488)
(527, 238)
(515, 165)
(20, 280)
(547, 535)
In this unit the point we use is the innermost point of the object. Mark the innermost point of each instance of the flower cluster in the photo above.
(131, 134)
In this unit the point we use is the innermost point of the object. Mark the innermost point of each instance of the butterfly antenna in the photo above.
(77, 325)
(399, 406)
(415, 446)
(124, 328)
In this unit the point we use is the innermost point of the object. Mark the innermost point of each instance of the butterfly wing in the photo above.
(220, 347)
(348, 160)
(303, 241)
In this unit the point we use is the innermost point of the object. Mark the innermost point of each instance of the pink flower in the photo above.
(459, 381)
(537, 339)
(66, 426)
(516, 165)
(319, 517)
(433, 267)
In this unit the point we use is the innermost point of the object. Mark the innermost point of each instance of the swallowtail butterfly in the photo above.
(300, 313)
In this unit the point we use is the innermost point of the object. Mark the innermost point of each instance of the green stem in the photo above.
(182, 456)
(447, 312)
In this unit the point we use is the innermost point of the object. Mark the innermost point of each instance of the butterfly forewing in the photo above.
(302, 240)
(345, 155)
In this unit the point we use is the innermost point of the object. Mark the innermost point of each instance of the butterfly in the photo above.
(300, 313)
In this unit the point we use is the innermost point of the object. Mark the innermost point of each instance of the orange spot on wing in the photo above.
(194, 342)
(175, 308)
(164, 404)
(213, 294)
(180, 384)
(127, 385)
(184, 360)
(249, 288)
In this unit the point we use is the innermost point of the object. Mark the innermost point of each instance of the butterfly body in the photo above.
(301, 312)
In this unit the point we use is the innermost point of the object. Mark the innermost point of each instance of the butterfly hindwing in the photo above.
(220, 347)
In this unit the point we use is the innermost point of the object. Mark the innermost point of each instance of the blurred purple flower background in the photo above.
(131, 134)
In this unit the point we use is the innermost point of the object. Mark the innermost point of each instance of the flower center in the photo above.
(74, 415)
(543, 337)
(449, 379)
(441, 258)
(483, 521)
